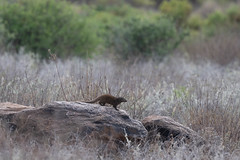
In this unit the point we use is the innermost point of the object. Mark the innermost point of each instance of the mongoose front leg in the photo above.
(116, 108)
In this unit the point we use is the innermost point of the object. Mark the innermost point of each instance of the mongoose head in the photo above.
(121, 99)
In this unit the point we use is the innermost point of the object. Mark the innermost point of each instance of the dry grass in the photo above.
(222, 48)
(203, 96)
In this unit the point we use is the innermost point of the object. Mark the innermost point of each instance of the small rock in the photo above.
(162, 128)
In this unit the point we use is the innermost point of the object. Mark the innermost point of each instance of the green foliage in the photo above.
(195, 22)
(233, 13)
(179, 10)
(144, 38)
(215, 22)
(102, 5)
(108, 2)
(218, 21)
(103, 20)
(120, 11)
(4, 36)
(42, 24)
(142, 2)
(216, 18)
(100, 22)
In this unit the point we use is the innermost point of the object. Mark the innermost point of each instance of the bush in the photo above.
(4, 36)
(121, 10)
(215, 22)
(179, 10)
(195, 22)
(216, 18)
(140, 3)
(233, 13)
(42, 24)
(101, 20)
(144, 38)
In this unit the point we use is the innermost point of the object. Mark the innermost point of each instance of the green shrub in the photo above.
(195, 22)
(102, 5)
(2, 35)
(102, 20)
(122, 10)
(216, 18)
(144, 38)
(233, 13)
(140, 3)
(215, 22)
(42, 24)
(179, 10)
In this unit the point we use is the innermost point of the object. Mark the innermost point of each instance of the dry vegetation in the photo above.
(222, 48)
(203, 96)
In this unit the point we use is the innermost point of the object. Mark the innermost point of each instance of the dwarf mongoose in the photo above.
(109, 99)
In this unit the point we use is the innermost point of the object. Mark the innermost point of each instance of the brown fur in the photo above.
(108, 99)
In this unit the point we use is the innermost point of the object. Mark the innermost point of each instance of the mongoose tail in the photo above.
(94, 101)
